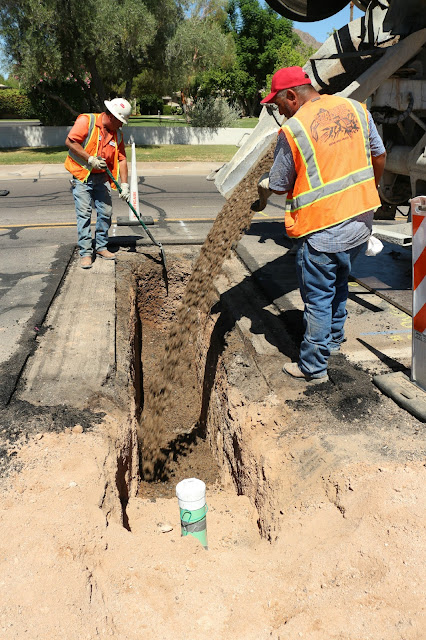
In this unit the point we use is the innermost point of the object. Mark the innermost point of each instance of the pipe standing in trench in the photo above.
(330, 158)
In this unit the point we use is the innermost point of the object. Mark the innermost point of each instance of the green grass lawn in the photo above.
(152, 121)
(177, 121)
(245, 123)
(145, 153)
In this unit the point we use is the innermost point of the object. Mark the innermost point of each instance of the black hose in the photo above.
(271, 110)
(382, 118)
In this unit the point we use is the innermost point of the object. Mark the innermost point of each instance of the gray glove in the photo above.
(264, 192)
(125, 192)
(97, 163)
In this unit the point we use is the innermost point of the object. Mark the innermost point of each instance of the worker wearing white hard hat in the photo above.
(95, 144)
(120, 108)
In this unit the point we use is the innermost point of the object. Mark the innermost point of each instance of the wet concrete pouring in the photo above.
(315, 494)
(185, 447)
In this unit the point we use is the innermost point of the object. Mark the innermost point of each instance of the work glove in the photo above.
(125, 192)
(264, 192)
(97, 163)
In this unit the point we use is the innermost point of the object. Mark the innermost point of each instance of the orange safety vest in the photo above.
(78, 167)
(329, 140)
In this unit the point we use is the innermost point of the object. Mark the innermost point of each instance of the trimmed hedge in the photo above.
(15, 104)
(49, 111)
(150, 105)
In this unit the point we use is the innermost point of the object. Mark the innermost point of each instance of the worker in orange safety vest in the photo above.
(95, 143)
(329, 160)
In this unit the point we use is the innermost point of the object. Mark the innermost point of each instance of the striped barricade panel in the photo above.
(418, 216)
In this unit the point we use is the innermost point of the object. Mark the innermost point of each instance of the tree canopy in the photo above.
(101, 48)
(259, 34)
(96, 43)
(198, 45)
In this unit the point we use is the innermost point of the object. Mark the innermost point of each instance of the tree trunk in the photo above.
(97, 81)
(128, 89)
(61, 101)
(93, 105)
(251, 104)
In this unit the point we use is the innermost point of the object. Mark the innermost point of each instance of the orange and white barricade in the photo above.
(418, 216)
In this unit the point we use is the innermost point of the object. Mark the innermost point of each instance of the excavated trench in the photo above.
(183, 442)
(200, 435)
(230, 414)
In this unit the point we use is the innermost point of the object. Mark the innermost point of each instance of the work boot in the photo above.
(292, 369)
(105, 254)
(335, 352)
(86, 262)
(335, 348)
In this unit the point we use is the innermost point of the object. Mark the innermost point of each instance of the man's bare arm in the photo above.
(124, 172)
(76, 148)
(378, 167)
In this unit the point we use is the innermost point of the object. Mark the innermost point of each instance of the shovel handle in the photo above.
(157, 244)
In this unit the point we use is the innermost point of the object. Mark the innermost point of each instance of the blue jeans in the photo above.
(323, 281)
(98, 190)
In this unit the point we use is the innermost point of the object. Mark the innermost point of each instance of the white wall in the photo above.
(26, 135)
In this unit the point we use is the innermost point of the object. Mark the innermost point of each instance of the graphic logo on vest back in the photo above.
(334, 125)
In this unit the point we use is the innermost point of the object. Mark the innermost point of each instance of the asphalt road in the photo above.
(38, 239)
(48, 201)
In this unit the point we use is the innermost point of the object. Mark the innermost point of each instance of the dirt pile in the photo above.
(348, 564)
(230, 224)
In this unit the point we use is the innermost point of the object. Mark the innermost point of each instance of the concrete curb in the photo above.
(38, 170)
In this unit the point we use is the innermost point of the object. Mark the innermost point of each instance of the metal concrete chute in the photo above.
(230, 175)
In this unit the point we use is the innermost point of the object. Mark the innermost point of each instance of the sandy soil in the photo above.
(348, 552)
(352, 569)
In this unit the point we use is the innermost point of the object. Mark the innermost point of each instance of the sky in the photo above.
(321, 30)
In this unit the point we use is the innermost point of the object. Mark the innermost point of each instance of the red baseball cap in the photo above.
(286, 79)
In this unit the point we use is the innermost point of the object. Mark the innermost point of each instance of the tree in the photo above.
(199, 45)
(98, 44)
(291, 56)
(212, 9)
(10, 81)
(258, 33)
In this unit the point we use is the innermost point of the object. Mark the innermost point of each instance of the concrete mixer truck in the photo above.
(379, 58)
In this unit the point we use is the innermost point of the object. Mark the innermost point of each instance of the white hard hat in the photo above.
(120, 108)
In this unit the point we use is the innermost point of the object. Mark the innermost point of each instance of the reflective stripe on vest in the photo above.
(363, 120)
(328, 190)
(74, 156)
(319, 189)
(336, 186)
